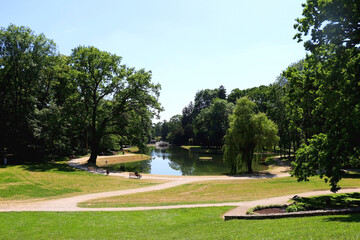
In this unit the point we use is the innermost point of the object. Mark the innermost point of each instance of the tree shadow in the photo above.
(255, 175)
(344, 218)
(333, 201)
(44, 167)
(351, 175)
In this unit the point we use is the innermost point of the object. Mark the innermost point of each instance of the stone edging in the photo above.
(295, 214)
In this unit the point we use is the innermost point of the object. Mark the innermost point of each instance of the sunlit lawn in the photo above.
(198, 223)
(220, 191)
(55, 180)
(117, 159)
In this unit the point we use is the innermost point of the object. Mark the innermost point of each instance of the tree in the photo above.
(211, 124)
(113, 96)
(164, 130)
(204, 98)
(25, 86)
(176, 132)
(187, 123)
(222, 92)
(249, 131)
(329, 83)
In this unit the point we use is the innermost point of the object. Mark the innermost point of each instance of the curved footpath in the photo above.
(70, 203)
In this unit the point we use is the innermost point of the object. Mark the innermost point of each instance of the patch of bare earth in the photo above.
(273, 210)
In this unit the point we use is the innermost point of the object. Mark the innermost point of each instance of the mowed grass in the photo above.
(117, 159)
(198, 223)
(54, 180)
(219, 191)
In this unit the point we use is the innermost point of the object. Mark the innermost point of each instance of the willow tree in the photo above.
(115, 99)
(249, 131)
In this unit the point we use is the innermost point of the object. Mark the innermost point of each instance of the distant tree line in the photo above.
(205, 121)
(55, 105)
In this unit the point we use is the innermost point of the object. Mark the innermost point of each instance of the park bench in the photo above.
(135, 175)
(91, 169)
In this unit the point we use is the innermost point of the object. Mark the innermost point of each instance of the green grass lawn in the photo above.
(198, 223)
(220, 191)
(54, 180)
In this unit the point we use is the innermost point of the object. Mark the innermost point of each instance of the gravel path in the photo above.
(70, 203)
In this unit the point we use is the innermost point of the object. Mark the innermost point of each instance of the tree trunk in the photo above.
(86, 141)
(2, 155)
(94, 146)
(294, 146)
(249, 156)
(289, 150)
(93, 156)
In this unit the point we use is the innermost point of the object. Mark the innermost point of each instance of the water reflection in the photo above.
(178, 161)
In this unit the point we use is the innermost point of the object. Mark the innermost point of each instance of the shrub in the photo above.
(296, 207)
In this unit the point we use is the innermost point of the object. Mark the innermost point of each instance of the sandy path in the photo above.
(70, 203)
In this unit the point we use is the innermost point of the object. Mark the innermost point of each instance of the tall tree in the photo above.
(203, 99)
(176, 131)
(25, 60)
(222, 92)
(249, 131)
(110, 93)
(211, 124)
(329, 83)
(187, 123)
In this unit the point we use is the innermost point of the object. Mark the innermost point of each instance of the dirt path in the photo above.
(70, 203)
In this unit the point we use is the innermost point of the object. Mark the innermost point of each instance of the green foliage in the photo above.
(26, 88)
(204, 99)
(211, 124)
(296, 207)
(113, 97)
(248, 132)
(53, 105)
(325, 94)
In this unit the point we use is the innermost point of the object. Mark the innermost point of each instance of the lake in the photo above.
(181, 162)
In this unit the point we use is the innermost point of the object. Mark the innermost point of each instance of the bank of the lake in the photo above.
(184, 162)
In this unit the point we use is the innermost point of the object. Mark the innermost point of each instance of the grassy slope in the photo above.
(201, 223)
(220, 191)
(46, 181)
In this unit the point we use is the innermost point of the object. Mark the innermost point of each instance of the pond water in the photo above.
(181, 162)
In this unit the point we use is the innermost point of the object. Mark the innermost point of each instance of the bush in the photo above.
(296, 207)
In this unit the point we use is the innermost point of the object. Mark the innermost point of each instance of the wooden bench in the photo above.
(135, 175)
(91, 169)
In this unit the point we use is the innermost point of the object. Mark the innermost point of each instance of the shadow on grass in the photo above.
(254, 175)
(44, 167)
(345, 218)
(333, 201)
(351, 175)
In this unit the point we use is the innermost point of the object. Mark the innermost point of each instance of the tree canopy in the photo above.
(56, 105)
(326, 92)
(248, 132)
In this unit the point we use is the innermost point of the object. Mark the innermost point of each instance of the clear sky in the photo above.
(188, 45)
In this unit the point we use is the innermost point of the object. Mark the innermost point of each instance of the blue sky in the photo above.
(188, 45)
